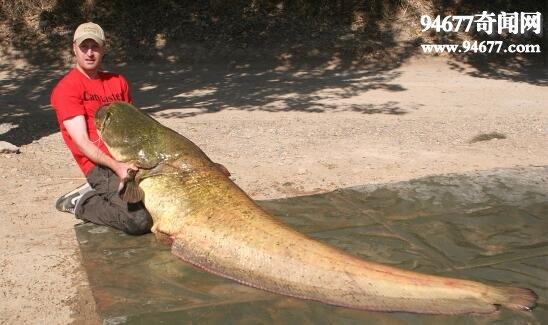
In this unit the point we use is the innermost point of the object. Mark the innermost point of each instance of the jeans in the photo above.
(103, 206)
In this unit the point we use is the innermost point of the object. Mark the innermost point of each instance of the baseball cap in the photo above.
(89, 30)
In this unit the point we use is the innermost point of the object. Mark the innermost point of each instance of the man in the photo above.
(76, 98)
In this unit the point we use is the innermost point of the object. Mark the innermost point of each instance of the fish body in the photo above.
(216, 226)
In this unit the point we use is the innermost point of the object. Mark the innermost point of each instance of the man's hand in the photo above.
(121, 169)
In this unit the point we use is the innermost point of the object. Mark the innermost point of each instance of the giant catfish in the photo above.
(216, 226)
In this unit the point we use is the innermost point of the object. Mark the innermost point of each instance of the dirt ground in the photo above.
(280, 132)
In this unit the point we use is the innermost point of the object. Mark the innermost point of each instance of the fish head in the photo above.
(130, 134)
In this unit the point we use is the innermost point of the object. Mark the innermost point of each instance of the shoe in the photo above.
(69, 201)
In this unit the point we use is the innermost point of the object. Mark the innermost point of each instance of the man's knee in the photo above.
(138, 224)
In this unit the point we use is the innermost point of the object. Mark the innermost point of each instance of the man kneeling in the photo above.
(76, 98)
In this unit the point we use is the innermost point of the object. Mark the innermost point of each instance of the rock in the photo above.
(6, 147)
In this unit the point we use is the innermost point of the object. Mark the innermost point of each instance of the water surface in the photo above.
(486, 226)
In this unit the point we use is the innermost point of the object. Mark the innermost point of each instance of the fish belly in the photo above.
(218, 228)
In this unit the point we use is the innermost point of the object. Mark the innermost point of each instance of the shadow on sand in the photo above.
(201, 89)
(268, 56)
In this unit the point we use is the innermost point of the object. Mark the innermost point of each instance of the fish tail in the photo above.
(515, 298)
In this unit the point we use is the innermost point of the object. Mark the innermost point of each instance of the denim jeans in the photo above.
(103, 206)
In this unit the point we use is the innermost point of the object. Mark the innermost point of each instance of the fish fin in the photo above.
(164, 238)
(515, 298)
(130, 191)
(223, 169)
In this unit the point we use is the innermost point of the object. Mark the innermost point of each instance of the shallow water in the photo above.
(488, 226)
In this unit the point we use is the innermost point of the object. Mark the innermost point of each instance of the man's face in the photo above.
(88, 54)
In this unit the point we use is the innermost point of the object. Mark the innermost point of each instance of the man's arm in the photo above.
(77, 129)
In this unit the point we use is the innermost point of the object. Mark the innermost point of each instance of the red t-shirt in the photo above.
(76, 94)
